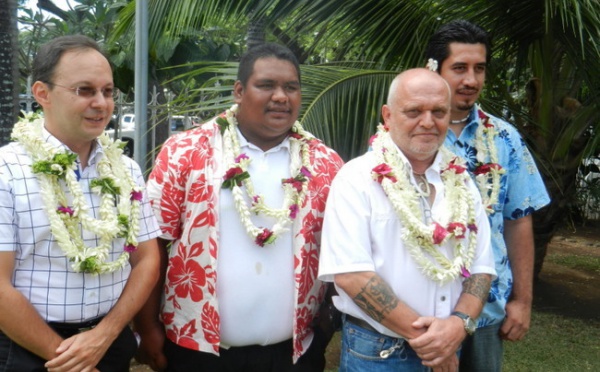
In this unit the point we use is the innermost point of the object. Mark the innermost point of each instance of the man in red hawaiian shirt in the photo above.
(243, 197)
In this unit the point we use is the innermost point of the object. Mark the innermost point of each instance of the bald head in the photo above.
(412, 77)
(417, 114)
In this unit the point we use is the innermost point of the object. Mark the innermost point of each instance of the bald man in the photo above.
(406, 239)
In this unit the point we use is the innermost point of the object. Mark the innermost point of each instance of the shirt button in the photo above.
(443, 298)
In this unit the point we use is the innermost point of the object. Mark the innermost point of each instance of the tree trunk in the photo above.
(9, 69)
(256, 32)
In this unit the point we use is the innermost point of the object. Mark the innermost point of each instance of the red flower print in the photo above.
(170, 204)
(211, 324)
(308, 273)
(187, 278)
(200, 190)
(486, 168)
(167, 318)
(318, 196)
(184, 336)
(311, 228)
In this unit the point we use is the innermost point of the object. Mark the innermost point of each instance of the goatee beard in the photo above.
(465, 106)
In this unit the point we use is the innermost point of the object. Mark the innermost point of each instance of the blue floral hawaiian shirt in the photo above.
(522, 192)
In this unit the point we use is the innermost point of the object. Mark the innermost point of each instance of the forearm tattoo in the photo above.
(376, 299)
(478, 285)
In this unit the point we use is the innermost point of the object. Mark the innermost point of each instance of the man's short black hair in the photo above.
(265, 50)
(49, 54)
(459, 31)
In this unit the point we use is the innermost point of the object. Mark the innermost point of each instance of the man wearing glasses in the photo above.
(78, 254)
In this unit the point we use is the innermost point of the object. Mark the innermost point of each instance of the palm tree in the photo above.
(543, 77)
(9, 84)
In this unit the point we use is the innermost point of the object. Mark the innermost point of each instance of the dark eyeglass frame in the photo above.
(88, 92)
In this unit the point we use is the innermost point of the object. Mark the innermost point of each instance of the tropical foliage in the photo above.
(543, 77)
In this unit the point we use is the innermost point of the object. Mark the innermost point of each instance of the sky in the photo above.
(32, 4)
(63, 4)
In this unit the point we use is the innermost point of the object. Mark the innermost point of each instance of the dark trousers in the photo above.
(14, 358)
(255, 358)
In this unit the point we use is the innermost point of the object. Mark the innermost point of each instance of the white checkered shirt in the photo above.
(42, 272)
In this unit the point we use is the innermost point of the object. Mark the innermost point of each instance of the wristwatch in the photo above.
(470, 325)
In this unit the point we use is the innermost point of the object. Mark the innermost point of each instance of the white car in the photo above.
(126, 132)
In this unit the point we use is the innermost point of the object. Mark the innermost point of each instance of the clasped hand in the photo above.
(437, 347)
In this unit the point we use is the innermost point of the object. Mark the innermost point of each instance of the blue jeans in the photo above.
(362, 348)
(483, 351)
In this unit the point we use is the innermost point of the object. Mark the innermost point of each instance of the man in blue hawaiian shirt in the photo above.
(510, 184)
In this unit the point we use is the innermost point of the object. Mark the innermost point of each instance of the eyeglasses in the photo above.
(89, 92)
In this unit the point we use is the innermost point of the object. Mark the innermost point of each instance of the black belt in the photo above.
(70, 329)
(361, 323)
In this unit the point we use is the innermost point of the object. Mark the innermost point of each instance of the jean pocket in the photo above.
(368, 345)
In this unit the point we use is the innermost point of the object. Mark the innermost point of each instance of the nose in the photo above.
(279, 95)
(99, 100)
(427, 120)
(469, 77)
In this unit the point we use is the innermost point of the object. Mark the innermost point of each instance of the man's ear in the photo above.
(238, 91)
(41, 93)
(385, 113)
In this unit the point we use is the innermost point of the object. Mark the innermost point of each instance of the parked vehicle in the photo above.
(126, 130)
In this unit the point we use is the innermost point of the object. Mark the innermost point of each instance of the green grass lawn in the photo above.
(556, 343)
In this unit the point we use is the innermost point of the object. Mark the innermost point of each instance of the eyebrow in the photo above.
(290, 82)
(465, 63)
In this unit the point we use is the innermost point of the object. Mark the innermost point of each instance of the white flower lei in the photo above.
(487, 174)
(67, 221)
(423, 239)
(238, 163)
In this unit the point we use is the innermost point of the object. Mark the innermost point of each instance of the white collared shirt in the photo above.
(362, 232)
(42, 273)
(255, 284)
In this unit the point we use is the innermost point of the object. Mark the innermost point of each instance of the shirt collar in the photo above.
(55, 142)
(435, 166)
(285, 144)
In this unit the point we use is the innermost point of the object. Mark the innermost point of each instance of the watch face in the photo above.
(470, 326)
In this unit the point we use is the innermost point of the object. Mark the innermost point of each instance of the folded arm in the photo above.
(377, 299)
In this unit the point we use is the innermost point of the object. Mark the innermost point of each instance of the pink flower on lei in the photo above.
(383, 171)
(264, 237)
(439, 233)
